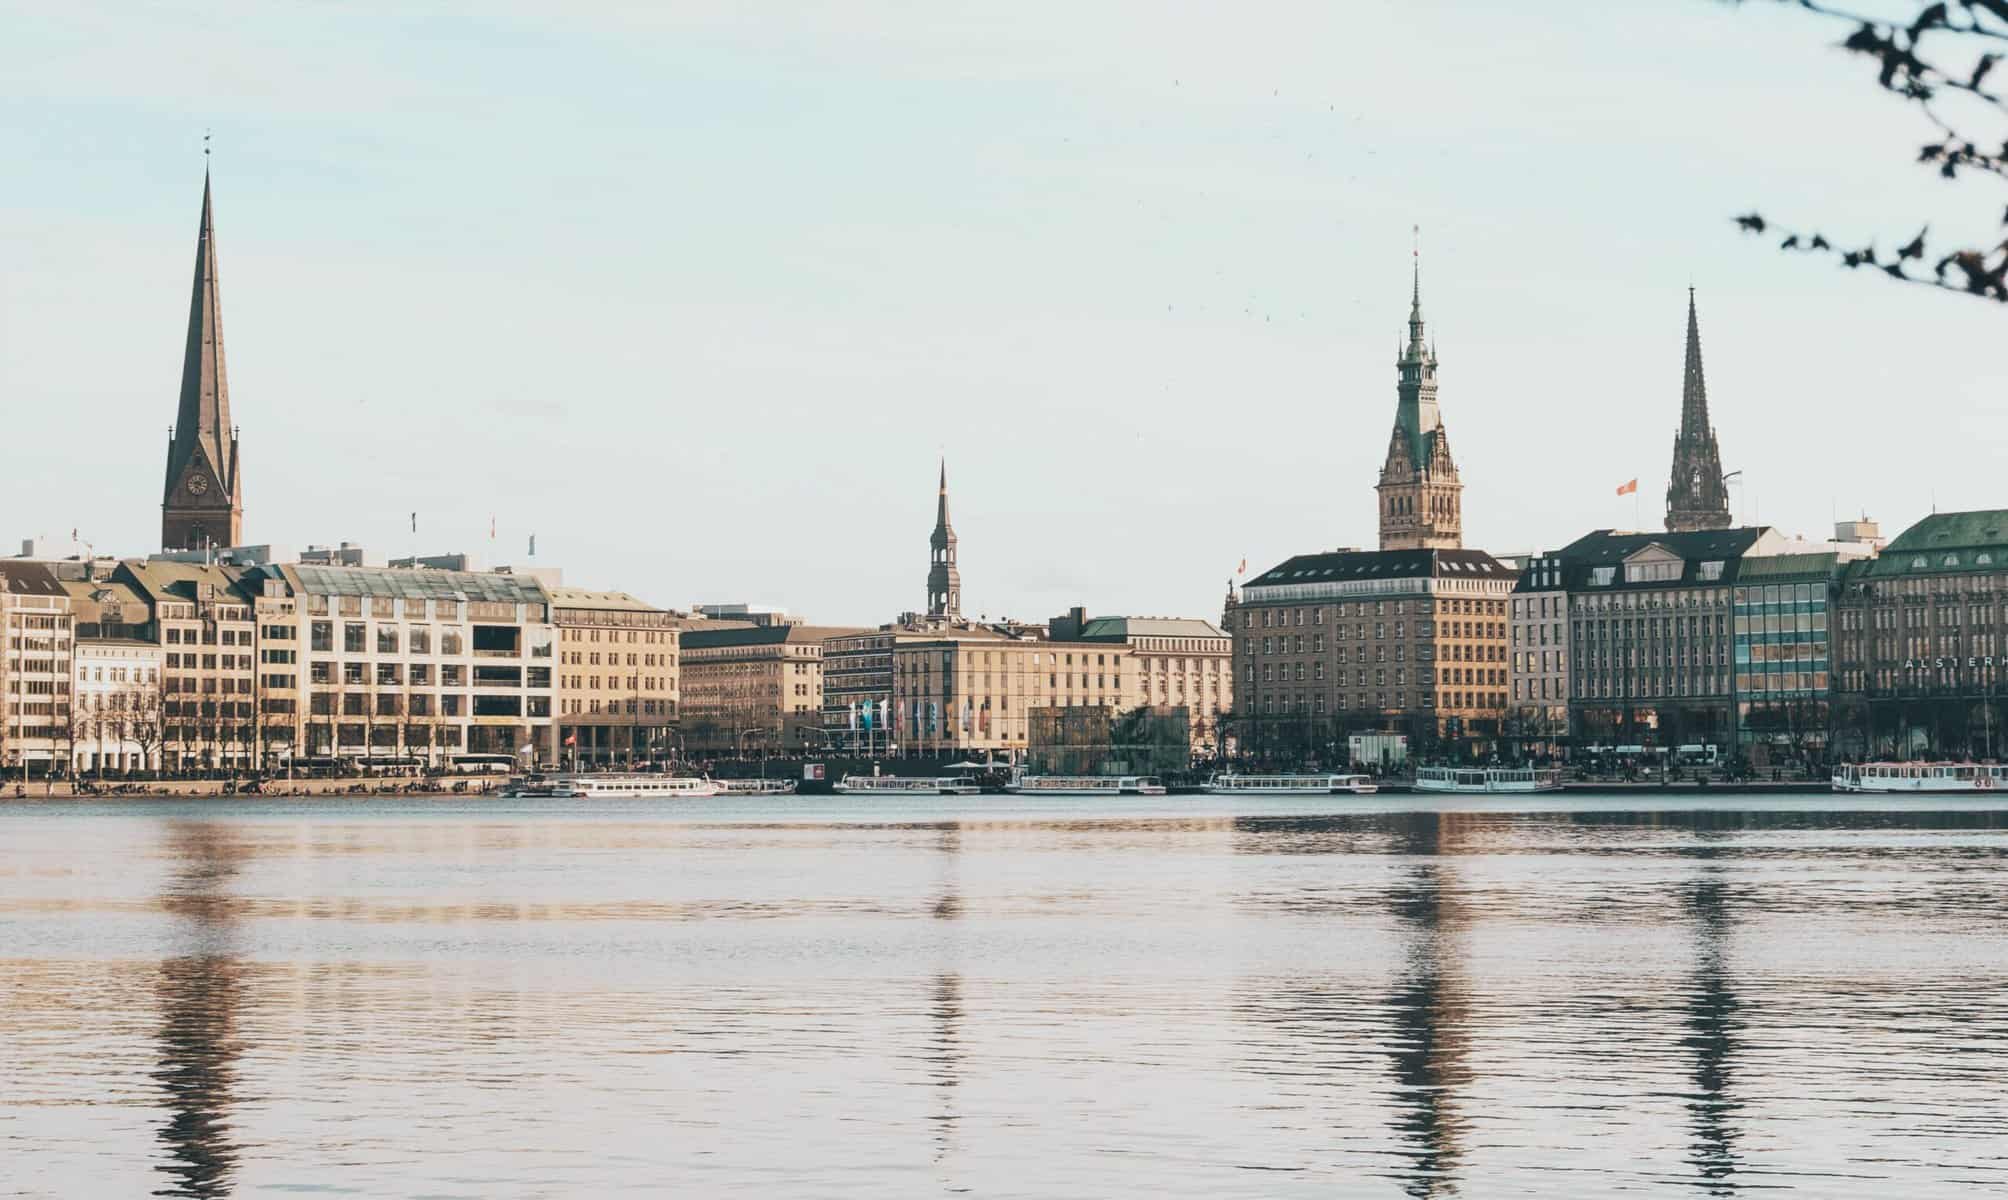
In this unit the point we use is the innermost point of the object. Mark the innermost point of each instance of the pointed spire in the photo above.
(942, 530)
(1694, 387)
(202, 497)
(1415, 339)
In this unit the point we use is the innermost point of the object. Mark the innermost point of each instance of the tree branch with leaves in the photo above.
(1944, 56)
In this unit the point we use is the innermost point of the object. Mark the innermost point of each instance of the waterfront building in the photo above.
(1537, 716)
(408, 664)
(1177, 662)
(1410, 641)
(37, 641)
(617, 676)
(1697, 496)
(204, 622)
(971, 689)
(1421, 497)
(1918, 653)
(1650, 635)
(202, 503)
(754, 688)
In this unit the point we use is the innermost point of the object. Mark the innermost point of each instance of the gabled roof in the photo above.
(165, 579)
(30, 579)
(1610, 548)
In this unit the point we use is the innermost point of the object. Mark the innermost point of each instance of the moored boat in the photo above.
(1231, 784)
(1899, 777)
(670, 787)
(1487, 779)
(1086, 785)
(905, 785)
(756, 787)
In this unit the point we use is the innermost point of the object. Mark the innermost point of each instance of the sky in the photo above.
(699, 294)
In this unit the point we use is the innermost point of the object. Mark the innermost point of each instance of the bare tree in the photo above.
(145, 720)
(1939, 61)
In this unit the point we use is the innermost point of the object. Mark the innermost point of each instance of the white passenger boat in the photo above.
(1086, 785)
(906, 785)
(1887, 777)
(666, 787)
(757, 787)
(1487, 779)
(1232, 784)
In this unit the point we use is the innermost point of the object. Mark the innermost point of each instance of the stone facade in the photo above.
(1537, 716)
(1351, 641)
(617, 676)
(1920, 653)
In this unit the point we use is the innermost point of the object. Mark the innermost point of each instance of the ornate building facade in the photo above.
(1421, 498)
(202, 502)
(1696, 495)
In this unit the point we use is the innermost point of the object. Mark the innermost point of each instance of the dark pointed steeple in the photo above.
(944, 581)
(1696, 496)
(200, 503)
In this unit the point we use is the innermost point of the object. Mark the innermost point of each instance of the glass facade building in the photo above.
(1781, 607)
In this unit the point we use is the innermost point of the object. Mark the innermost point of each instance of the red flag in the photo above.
(571, 739)
(1626, 489)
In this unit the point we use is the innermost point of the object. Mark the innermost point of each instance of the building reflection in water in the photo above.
(1712, 1022)
(945, 1011)
(200, 991)
(1428, 1008)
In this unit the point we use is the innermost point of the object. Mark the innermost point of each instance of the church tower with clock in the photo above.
(203, 502)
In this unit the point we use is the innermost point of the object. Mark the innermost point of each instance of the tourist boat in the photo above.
(756, 787)
(1487, 779)
(670, 787)
(1291, 785)
(1884, 777)
(1086, 785)
(533, 789)
(905, 785)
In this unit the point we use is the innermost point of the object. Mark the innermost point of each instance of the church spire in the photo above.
(944, 580)
(1696, 496)
(201, 505)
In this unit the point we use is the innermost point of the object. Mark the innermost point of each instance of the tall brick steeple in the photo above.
(202, 503)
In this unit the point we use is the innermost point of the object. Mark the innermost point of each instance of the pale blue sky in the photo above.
(697, 293)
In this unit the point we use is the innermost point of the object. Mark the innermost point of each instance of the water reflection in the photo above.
(199, 992)
(1428, 1008)
(945, 1011)
(1713, 1024)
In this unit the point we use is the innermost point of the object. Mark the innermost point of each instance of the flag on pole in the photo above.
(1629, 488)
(571, 739)
(1243, 568)
(533, 545)
(491, 528)
(414, 522)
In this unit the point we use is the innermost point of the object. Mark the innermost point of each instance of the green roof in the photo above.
(1948, 543)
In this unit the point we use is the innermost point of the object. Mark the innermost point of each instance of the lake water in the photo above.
(1170, 997)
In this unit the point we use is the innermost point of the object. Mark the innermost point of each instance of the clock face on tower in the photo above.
(197, 484)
